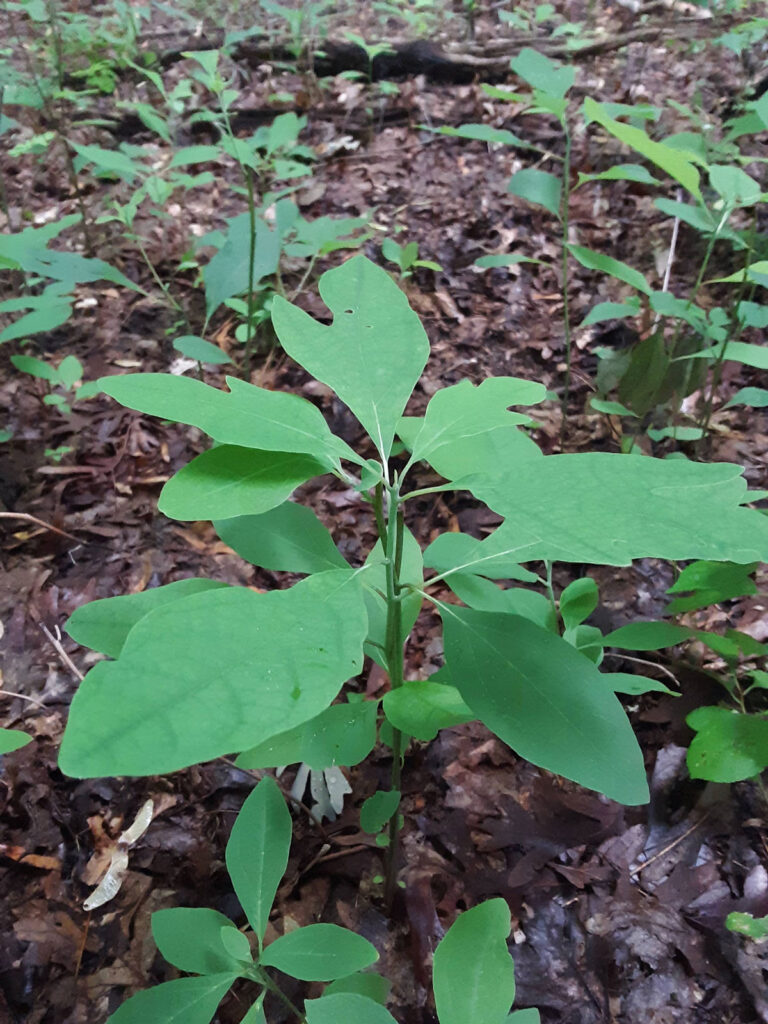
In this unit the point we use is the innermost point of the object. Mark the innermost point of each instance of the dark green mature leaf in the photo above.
(602, 508)
(464, 411)
(343, 734)
(185, 1001)
(104, 625)
(13, 739)
(214, 673)
(729, 746)
(371, 355)
(190, 939)
(346, 1006)
(474, 977)
(578, 601)
(230, 481)
(289, 538)
(257, 852)
(543, 698)
(421, 709)
(246, 415)
(319, 952)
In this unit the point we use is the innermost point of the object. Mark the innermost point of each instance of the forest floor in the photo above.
(618, 912)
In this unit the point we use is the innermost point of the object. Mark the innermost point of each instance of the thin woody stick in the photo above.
(26, 517)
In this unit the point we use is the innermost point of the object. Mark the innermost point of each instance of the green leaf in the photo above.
(678, 433)
(104, 625)
(729, 746)
(455, 552)
(697, 216)
(190, 939)
(607, 265)
(464, 411)
(230, 481)
(69, 371)
(625, 682)
(647, 636)
(621, 172)
(610, 311)
(485, 596)
(607, 509)
(346, 1006)
(236, 944)
(756, 397)
(668, 159)
(746, 924)
(214, 673)
(257, 852)
(421, 709)
(343, 734)
(289, 538)
(545, 700)
(737, 352)
(473, 974)
(371, 355)
(226, 273)
(483, 133)
(35, 368)
(45, 319)
(110, 160)
(611, 408)
(193, 347)
(538, 187)
(246, 415)
(530, 1016)
(734, 185)
(368, 983)
(548, 76)
(503, 259)
(710, 582)
(195, 155)
(756, 272)
(185, 1001)
(578, 601)
(319, 952)
(378, 809)
(13, 739)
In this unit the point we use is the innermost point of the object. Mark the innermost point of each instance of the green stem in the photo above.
(265, 980)
(251, 268)
(564, 217)
(393, 541)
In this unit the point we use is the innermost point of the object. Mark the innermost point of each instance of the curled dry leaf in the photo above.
(110, 884)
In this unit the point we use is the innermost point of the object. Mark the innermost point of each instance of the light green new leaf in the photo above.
(737, 352)
(193, 347)
(13, 739)
(343, 734)
(757, 272)
(190, 939)
(257, 852)
(104, 625)
(464, 411)
(371, 355)
(44, 319)
(603, 508)
(545, 700)
(621, 172)
(546, 75)
(673, 162)
(578, 601)
(319, 952)
(756, 397)
(539, 187)
(747, 924)
(607, 265)
(245, 415)
(346, 1006)
(378, 809)
(610, 311)
(185, 1001)
(289, 538)
(734, 185)
(421, 709)
(214, 673)
(35, 368)
(484, 133)
(729, 746)
(231, 481)
(473, 974)
(485, 596)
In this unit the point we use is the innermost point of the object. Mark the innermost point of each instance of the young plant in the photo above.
(406, 257)
(474, 977)
(65, 377)
(241, 669)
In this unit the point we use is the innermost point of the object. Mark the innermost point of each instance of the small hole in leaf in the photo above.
(350, 311)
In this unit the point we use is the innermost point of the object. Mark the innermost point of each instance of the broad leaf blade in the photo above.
(421, 709)
(319, 952)
(544, 699)
(289, 538)
(347, 1007)
(474, 977)
(246, 415)
(104, 625)
(729, 746)
(190, 939)
(13, 739)
(257, 852)
(371, 355)
(230, 481)
(185, 1001)
(214, 673)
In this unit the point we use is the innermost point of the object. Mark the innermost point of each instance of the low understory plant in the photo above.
(474, 977)
(198, 669)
